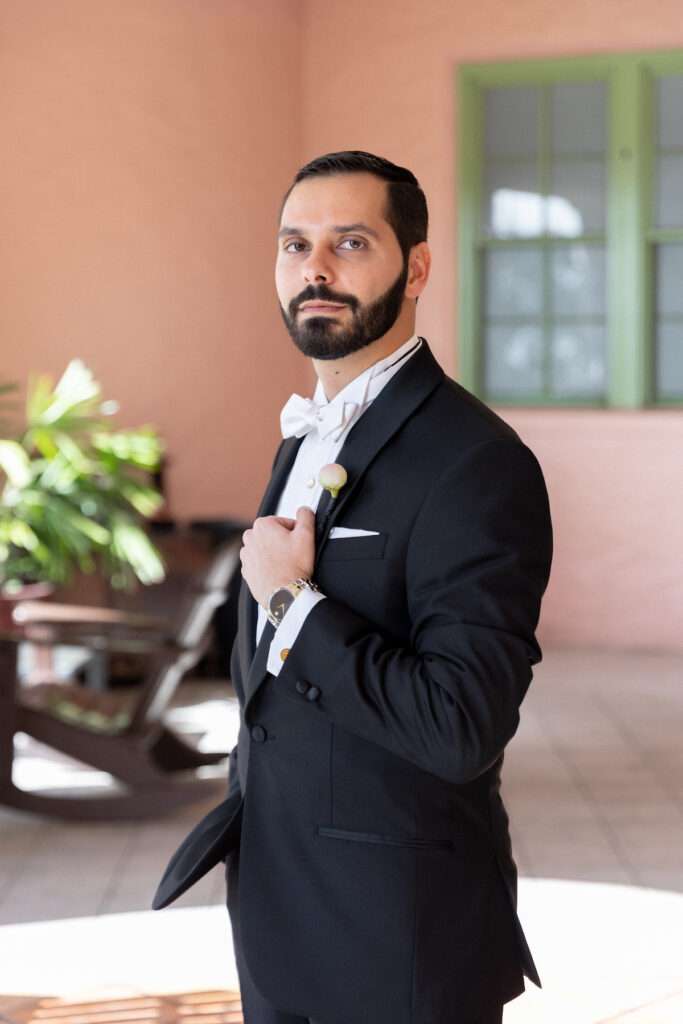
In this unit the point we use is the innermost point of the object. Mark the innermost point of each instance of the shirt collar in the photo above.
(358, 391)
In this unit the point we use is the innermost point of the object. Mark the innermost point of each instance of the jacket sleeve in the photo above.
(476, 565)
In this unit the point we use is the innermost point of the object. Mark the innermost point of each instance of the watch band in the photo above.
(305, 584)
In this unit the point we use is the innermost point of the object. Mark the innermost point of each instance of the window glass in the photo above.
(670, 191)
(514, 282)
(579, 121)
(669, 94)
(670, 360)
(579, 363)
(511, 121)
(578, 190)
(544, 304)
(578, 280)
(514, 361)
(669, 320)
(512, 203)
(668, 249)
(669, 279)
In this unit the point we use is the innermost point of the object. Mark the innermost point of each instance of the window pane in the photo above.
(513, 280)
(579, 118)
(670, 192)
(669, 279)
(579, 364)
(670, 111)
(578, 276)
(511, 121)
(577, 203)
(670, 361)
(513, 206)
(514, 361)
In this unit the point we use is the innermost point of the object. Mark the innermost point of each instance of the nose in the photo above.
(317, 267)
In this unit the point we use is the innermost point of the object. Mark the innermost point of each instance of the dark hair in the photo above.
(406, 207)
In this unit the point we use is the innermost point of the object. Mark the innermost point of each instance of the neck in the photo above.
(335, 374)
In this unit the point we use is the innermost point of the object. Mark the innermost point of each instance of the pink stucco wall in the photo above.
(146, 144)
(614, 480)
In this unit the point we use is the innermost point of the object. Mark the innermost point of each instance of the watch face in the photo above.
(280, 602)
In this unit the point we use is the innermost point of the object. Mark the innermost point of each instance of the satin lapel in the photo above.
(247, 607)
(284, 460)
(404, 393)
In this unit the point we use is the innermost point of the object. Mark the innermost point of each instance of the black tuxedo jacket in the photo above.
(376, 878)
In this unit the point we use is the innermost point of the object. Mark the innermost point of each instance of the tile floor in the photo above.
(594, 786)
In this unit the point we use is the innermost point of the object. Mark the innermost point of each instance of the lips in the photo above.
(320, 308)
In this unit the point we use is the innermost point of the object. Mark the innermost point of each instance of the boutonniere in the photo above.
(332, 478)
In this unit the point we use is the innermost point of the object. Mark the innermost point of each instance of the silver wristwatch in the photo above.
(282, 598)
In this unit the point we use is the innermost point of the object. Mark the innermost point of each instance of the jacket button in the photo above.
(302, 686)
(258, 734)
(313, 693)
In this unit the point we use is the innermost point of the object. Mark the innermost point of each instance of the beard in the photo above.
(320, 337)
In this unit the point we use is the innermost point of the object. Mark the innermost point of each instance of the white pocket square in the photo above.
(339, 532)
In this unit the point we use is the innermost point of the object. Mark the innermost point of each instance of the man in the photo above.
(370, 879)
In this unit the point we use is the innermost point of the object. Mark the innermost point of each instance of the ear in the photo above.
(419, 264)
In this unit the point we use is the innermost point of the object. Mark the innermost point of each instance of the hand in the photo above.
(278, 551)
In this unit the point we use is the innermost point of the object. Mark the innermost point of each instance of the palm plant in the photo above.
(74, 490)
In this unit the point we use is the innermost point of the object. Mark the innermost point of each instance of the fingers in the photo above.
(267, 522)
(289, 524)
(305, 517)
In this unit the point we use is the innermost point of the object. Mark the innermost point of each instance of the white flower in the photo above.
(332, 478)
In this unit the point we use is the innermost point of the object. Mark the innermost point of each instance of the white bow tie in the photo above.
(300, 415)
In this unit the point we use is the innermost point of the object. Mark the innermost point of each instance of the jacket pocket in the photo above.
(369, 837)
(343, 548)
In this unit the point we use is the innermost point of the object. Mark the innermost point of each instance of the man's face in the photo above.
(340, 273)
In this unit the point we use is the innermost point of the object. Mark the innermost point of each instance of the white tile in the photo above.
(192, 950)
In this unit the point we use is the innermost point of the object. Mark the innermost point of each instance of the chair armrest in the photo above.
(98, 629)
(29, 613)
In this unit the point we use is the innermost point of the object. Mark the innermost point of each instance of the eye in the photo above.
(352, 243)
(296, 245)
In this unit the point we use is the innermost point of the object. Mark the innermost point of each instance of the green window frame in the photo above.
(631, 234)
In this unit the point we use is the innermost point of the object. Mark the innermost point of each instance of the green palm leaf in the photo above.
(74, 490)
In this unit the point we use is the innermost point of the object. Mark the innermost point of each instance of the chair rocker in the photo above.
(155, 766)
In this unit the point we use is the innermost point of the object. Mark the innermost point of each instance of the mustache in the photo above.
(321, 293)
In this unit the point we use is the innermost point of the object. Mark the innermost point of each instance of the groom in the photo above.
(385, 643)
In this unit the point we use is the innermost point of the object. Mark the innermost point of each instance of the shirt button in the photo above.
(302, 686)
(313, 693)
(258, 734)
(310, 482)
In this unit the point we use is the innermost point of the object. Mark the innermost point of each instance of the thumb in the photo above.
(305, 519)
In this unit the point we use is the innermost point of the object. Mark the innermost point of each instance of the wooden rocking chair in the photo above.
(156, 767)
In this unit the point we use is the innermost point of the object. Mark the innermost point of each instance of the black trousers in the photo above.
(255, 1008)
(258, 1011)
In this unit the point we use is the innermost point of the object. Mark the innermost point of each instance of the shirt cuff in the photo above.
(288, 630)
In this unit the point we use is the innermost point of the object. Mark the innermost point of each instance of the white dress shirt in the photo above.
(303, 489)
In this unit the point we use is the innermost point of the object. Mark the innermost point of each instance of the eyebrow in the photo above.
(337, 229)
